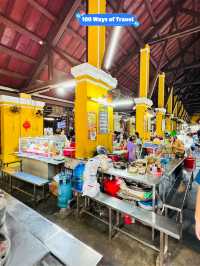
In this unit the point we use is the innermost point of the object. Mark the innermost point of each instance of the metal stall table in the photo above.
(115, 207)
(39, 165)
(33, 238)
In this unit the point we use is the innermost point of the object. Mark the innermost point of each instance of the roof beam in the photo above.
(52, 100)
(76, 35)
(164, 18)
(42, 10)
(150, 10)
(55, 35)
(190, 12)
(154, 81)
(12, 24)
(194, 83)
(177, 34)
(17, 54)
(67, 57)
(12, 74)
(183, 67)
(141, 43)
(46, 85)
(188, 46)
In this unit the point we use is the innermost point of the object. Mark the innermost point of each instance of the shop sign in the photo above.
(103, 120)
(92, 125)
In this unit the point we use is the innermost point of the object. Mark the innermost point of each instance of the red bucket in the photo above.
(69, 152)
(190, 163)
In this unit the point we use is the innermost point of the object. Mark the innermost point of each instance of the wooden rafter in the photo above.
(17, 54)
(180, 54)
(177, 34)
(133, 53)
(45, 85)
(164, 51)
(55, 35)
(12, 24)
(42, 10)
(150, 10)
(12, 74)
(64, 55)
(193, 83)
(184, 67)
(190, 12)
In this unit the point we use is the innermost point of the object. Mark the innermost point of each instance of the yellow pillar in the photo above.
(175, 113)
(93, 85)
(160, 111)
(92, 88)
(96, 34)
(143, 103)
(169, 112)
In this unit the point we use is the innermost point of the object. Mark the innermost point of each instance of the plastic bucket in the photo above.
(190, 163)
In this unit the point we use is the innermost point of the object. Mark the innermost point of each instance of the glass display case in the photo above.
(47, 146)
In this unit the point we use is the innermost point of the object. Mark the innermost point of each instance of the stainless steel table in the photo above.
(33, 236)
(34, 164)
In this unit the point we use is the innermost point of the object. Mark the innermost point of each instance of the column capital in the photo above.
(160, 110)
(90, 72)
(143, 100)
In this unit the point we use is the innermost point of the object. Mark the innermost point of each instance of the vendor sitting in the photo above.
(177, 146)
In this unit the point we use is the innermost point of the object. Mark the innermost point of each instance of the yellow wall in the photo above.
(12, 128)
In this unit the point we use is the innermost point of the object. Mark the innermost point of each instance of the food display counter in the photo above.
(32, 234)
(42, 156)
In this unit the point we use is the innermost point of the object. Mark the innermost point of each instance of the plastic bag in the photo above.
(91, 189)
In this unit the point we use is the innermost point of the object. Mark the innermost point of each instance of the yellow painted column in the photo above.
(91, 102)
(160, 111)
(143, 103)
(144, 71)
(96, 34)
(169, 112)
(175, 113)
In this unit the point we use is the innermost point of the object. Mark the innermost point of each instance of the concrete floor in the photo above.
(123, 251)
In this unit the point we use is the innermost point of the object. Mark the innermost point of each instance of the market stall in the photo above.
(42, 155)
(32, 234)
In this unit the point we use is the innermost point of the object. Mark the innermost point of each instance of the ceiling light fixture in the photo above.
(49, 119)
(112, 47)
(66, 85)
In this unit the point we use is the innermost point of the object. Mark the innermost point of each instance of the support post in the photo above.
(143, 103)
(175, 112)
(96, 35)
(93, 112)
(160, 111)
(169, 112)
